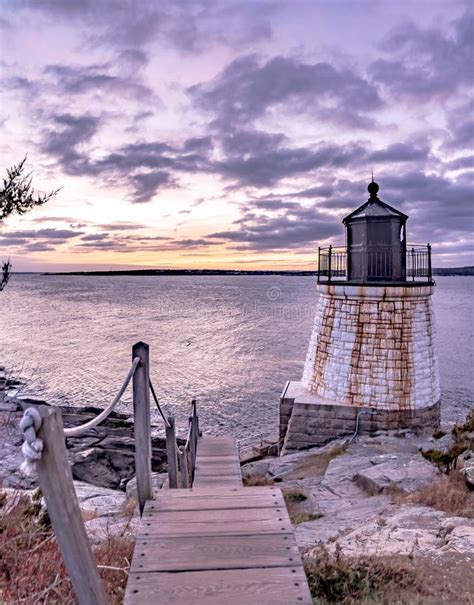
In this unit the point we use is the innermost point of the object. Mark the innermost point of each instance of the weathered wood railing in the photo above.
(55, 476)
(182, 460)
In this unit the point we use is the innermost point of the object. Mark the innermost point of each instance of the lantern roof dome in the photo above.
(374, 207)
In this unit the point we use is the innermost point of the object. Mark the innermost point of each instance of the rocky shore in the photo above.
(102, 464)
(379, 496)
(370, 496)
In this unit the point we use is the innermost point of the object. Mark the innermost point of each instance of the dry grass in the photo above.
(31, 567)
(314, 465)
(257, 480)
(449, 494)
(294, 495)
(299, 509)
(335, 578)
(303, 517)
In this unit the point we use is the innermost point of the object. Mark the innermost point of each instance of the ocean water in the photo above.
(231, 342)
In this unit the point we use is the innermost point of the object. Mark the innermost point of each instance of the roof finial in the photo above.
(373, 188)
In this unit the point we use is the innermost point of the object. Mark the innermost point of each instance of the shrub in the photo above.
(31, 568)
(335, 578)
(446, 460)
(449, 494)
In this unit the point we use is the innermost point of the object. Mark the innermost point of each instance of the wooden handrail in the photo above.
(182, 461)
(55, 476)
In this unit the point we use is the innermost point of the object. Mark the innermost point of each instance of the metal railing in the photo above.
(418, 263)
(332, 263)
(413, 266)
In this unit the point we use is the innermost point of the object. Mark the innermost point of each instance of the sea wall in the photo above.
(374, 346)
(308, 420)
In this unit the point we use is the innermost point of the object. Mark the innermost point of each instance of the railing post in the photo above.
(142, 428)
(329, 263)
(430, 271)
(55, 479)
(413, 263)
(196, 430)
(319, 264)
(192, 444)
(172, 453)
(184, 469)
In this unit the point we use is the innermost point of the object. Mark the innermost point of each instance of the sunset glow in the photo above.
(229, 135)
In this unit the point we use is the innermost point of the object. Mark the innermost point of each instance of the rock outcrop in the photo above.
(102, 456)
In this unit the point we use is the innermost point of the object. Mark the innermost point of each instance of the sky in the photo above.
(233, 134)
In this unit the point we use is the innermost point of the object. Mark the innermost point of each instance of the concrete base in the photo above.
(308, 420)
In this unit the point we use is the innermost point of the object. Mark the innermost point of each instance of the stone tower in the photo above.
(371, 362)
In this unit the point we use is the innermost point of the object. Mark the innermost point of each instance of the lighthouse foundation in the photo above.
(371, 365)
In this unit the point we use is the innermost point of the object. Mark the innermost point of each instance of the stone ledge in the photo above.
(315, 421)
(386, 293)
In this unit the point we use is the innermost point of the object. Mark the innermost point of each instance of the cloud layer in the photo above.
(182, 110)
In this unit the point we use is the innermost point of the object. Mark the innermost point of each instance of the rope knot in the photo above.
(32, 446)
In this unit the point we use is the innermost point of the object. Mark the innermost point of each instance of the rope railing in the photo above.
(30, 425)
(44, 449)
(79, 430)
(155, 398)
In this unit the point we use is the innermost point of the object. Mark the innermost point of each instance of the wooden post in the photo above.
(56, 483)
(171, 453)
(196, 422)
(183, 469)
(142, 428)
(192, 444)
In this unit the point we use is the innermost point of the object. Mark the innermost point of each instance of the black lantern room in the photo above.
(376, 241)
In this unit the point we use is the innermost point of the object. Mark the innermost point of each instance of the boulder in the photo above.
(103, 456)
(400, 472)
(468, 472)
(256, 469)
(442, 444)
(103, 467)
(102, 528)
(99, 501)
(157, 480)
(412, 530)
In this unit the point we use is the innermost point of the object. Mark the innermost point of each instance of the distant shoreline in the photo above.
(461, 271)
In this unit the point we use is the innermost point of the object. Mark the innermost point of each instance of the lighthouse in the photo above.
(371, 362)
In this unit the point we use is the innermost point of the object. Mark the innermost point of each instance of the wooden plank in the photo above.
(142, 424)
(217, 448)
(214, 552)
(162, 517)
(218, 471)
(56, 483)
(206, 481)
(209, 461)
(214, 503)
(228, 527)
(224, 458)
(235, 492)
(217, 462)
(269, 586)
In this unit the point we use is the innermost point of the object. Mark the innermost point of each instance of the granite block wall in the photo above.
(374, 346)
